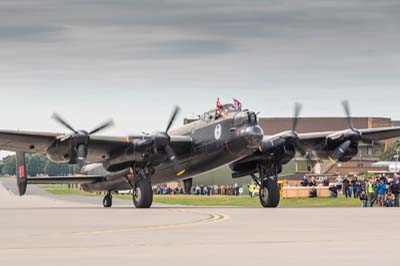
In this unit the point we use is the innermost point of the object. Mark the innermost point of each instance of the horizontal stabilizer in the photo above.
(65, 180)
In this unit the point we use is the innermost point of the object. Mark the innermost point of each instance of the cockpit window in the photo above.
(240, 119)
(209, 116)
(244, 118)
(252, 117)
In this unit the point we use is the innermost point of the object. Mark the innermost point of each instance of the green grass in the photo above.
(225, 201)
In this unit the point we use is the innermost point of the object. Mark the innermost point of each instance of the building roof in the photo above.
(310, 124)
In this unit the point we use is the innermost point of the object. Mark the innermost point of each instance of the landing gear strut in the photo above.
(107, 201)
(142, 190)
(267, 180)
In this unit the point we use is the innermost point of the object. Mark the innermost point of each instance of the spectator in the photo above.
(333, 190)
(346, 186)
(395, 189)
(353, 185)
(313, 192)
(383, 178)
(304, 182)
(370, 192)
(313, 182)
(381, 193)
(364, 199)
(339, 184)
(358, 188)
(389, 200)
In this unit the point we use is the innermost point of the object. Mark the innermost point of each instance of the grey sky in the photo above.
(133, 60)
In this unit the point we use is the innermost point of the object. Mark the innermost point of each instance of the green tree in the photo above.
(9, 165)
(35, 164)
(391, 151)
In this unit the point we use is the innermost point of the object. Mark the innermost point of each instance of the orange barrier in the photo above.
(304, 192)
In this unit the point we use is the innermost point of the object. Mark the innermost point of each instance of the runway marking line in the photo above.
(212, 218)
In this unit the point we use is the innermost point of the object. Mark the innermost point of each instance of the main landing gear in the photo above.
(143, 194)
(139, 179)
(142, 189)
(267, 180)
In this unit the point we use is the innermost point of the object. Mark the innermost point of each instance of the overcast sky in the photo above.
(134, 60)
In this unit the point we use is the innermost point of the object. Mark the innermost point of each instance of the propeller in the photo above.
(297, 110)
(346, 108)
(80, 138)
(355, 135)
(168, 149)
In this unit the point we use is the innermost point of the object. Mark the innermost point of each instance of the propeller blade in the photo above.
(297, 110)
(173, 117)
(103, 126)
(59, 119)
(346, 108)
(172, 157)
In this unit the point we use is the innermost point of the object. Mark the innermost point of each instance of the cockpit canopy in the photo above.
(216, 113)
(243, 118)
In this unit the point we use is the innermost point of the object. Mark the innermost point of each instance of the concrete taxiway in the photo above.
(42, 229)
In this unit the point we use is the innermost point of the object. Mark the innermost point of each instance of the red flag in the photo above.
(219, 105)
(237, 103)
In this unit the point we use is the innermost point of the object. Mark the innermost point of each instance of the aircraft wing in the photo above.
(368, 135)
(100, 148)
(39, 142)
(26, 141)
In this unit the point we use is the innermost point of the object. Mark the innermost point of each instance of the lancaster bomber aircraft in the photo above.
(223, 136)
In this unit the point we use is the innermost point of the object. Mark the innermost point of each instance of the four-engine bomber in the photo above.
(223, 136)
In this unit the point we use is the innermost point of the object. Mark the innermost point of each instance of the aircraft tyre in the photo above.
(107, 201)
(143, 194)
(269, 194)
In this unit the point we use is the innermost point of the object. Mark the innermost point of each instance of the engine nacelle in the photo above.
(349, 154)
(342, 152)
(281, 150)
(62, 152)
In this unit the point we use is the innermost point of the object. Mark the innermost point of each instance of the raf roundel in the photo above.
(218, 132)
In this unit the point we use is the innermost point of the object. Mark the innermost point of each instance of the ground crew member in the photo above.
(370, 192)
(252, 189)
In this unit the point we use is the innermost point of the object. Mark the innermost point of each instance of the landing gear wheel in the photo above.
(269, 193)
(143, 194)
(107, 201)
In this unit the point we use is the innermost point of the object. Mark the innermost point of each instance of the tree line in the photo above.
(391, 151)
(36, 165)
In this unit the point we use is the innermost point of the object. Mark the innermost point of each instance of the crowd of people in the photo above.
(232, 190)
(377, 191)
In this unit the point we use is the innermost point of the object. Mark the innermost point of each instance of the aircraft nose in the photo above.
(253, 135)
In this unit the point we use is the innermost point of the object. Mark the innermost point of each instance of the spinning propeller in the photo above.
(168, 149)
(80, 138)
(296, 114)
(352, 134)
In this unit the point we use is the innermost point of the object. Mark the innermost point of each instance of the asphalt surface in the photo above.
(43, 229)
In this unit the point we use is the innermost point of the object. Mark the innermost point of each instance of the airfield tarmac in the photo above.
(43, 229)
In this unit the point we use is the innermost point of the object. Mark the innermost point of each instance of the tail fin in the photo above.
(22, 179)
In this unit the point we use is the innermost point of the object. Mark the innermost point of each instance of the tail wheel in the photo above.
(143, 194)
(107, 201)
(269, 193)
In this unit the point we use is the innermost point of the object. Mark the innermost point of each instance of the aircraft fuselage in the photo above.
(215, 143)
